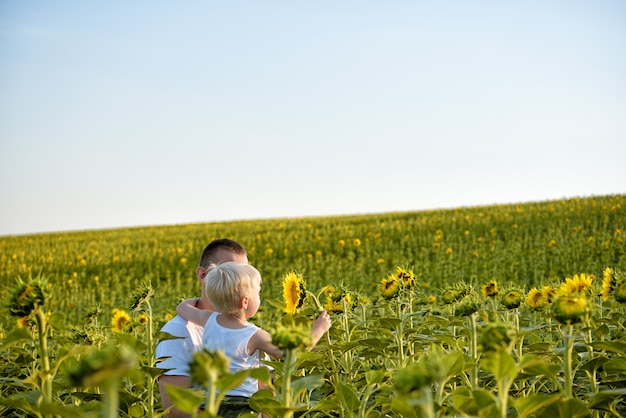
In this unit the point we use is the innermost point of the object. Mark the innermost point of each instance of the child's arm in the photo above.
(262, 340)
(320, 326)
(187, 309)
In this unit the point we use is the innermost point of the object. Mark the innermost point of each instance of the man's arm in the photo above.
(180, 381)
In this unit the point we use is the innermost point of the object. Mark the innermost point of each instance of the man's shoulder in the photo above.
(176, 326)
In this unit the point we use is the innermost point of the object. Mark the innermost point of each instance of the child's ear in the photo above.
(243, 302)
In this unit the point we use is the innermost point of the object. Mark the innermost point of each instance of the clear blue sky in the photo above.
(128, 113)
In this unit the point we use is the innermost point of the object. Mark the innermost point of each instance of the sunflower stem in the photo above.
(42, 329)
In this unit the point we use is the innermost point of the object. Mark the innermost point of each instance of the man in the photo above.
(180, 350)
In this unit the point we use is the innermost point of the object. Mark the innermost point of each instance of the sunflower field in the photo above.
(496, 311)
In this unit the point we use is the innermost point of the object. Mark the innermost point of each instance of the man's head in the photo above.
(220, 251)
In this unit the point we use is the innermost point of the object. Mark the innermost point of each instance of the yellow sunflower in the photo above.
(120, 320)
(568, 309)
(536, 299)
(577, 284)
(608, 283)
(294, 292)
(407, 276)
(490, 289)
(390, 286)
(512, 299)
(548, 292)
(333, 307)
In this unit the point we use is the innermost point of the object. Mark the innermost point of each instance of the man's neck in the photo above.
(204, 304)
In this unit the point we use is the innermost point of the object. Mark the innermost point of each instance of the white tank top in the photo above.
(234, 343)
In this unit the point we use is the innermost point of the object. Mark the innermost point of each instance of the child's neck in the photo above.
(232, 320)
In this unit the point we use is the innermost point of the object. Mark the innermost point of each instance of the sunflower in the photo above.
(406, 276)
(578, 284)
(490, 289)
(569, 309)
(120, 320)
(288, 337)
(27, 296)
(333, 307)
(390, 286)
(620, 292)
(143, 318)
(536, 299)
(608, 283)
(512, 299)
(548, 293)
(294, 292)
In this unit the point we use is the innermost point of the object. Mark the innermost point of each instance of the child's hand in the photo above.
(191, 302)
(321, 324)
(187, 302)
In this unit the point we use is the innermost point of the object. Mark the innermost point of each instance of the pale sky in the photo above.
(132, 113)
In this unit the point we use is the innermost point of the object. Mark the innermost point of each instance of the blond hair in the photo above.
(227, 283)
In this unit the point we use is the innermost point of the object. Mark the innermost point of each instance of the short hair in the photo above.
(228, 282)
(208, 254)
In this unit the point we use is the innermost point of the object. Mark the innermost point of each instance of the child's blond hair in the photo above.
(227, 283)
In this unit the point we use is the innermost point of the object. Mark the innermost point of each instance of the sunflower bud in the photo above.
(412, 378)
(570, 309)
(466, 308)
(497, 337)
(490, 289)
(141, 295)
(512, 299)
(620, 292)
(208, 366)
(291, 337)
(100, 364)
(26, 296)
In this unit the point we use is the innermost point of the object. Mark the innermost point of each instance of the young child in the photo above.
(234, 289)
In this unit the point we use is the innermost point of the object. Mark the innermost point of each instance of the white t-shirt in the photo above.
(179, 350)
(234, 343)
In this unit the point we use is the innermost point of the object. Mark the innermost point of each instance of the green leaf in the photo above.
(566, 407)
(463, 401)
(594, 364)
(153, 372)
(405, 407)
(500, 363)
(389, 323)
(486, 403)
(307, 382)
(15, 336)
(615, 365)
(264, 401)
(374, 376)
(528, 405)
(57, 321)
(373, 343)
(347, 397)
(612, 346)
(187, 400)
(164, 336)
(597, 400)
(532, 365)
(454, 364)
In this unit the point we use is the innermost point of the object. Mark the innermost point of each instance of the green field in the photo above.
(426, 350)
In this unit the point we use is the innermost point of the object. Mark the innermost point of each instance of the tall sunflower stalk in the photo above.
(294, 295)
(569, 308)
(28, 299)
(141, 301)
